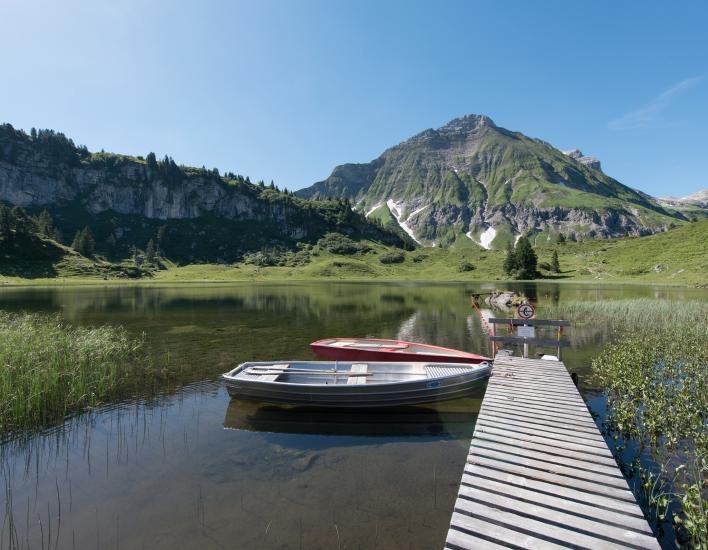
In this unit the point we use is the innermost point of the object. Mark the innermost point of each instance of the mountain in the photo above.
(473, 180)
(692, 205)
(193, 214)
(590, 162)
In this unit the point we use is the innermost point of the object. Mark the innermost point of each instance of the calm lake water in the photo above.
(190, 468)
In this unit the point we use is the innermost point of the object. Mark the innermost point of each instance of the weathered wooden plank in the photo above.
(535, 341)
(506, 405)
(534, 405)
(539, 391)
(546, 386)
(519, 429)
(542, 408)
(539, 473)
(557, 479)
(548, 450)
(609, 503)
(540, 380)
(578, 508)
(558, 443)
(520, 515)
(504, 535)
(492, 418)
(546, 466)
(563, 460)
(461, 539)
(531, 365)
(500, 392)
(490, 410)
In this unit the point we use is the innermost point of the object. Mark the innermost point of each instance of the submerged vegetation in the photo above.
(655, 376)
(50, 370)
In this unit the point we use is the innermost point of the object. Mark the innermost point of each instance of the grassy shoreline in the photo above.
(51, 370)
(160, 281)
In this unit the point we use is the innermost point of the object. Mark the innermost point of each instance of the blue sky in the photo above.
(287, 90)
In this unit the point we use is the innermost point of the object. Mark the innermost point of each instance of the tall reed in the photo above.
(49, 369)
(655, 376)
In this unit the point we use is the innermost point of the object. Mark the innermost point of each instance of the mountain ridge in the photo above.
(198, 214)
(471, 176)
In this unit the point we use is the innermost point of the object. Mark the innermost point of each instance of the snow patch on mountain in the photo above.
(396, 209)
(485, 239)
(372, 210)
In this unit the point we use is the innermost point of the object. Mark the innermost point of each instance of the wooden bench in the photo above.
(358, 368)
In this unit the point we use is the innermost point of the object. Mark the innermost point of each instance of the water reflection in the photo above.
(165, 473)
(454, 419)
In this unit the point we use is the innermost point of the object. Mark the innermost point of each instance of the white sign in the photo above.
(526, 311)
(525, 331)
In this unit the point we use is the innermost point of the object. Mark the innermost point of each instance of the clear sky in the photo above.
(287, 90)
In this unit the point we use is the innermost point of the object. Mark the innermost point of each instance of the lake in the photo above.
(190, 468)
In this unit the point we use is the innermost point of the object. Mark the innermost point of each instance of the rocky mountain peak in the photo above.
(467, 123)
(473, 180)
(590, 162)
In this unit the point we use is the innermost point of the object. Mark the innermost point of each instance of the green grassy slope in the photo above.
(678, 256)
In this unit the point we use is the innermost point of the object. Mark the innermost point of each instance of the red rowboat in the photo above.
(375, 349)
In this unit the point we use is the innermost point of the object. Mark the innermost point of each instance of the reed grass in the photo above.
(49, 369)
(655, 377)
(637, 313)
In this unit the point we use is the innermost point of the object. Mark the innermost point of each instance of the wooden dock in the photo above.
(539, 473)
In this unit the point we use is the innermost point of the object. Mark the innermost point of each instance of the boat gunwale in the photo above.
(450, 352)
(469, 367)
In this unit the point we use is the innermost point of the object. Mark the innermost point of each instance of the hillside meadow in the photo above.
(678, 256)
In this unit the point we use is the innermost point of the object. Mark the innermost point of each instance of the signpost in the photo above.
(526, 311)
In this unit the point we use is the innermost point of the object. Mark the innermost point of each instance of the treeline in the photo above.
(61, 150)
(16, 223)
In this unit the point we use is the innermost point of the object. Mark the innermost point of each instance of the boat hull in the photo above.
(464, 380)
(399, 351)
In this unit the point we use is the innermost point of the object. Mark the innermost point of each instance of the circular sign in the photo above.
(526, 311)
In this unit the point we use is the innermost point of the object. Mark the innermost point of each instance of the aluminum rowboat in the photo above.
(376, 349)
(354, 384)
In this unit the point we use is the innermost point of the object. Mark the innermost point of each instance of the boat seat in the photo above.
(271, 377)
(358, 367)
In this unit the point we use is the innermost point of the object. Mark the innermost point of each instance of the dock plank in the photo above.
(539, 473)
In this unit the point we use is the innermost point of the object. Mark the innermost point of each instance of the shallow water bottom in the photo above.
(197, 470)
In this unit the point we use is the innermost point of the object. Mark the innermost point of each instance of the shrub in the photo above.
(392, 258)
(420, 257)
(466, 266)
(261, 259)
(336, 243)
(544, 265)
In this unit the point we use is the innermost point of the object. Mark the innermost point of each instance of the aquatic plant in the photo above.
(655, 376)
(637, 313)
(657, 388)
(49, 369)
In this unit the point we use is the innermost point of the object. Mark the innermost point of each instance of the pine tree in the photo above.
(560, 239)
(509, 261)
(76, 243)
(89, 243)
(84, 243)
(150, 252)
(151, 161)
(45, 224)
(555, 264)
(526, 260)
(5, 224)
